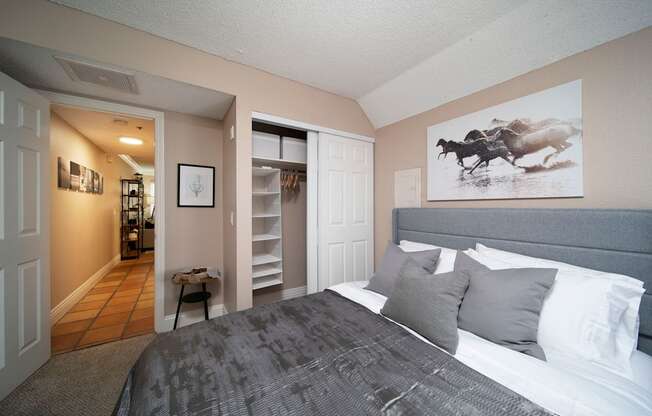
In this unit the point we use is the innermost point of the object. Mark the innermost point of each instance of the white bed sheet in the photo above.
(563, 386)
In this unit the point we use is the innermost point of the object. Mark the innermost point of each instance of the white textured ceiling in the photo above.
(397, 58)
(36, 67)
(101, 129)
(348, 47)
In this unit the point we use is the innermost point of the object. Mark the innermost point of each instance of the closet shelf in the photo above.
(266, 282)
(266, 215)
(265, 237)
(263, 171)
(279, 162)
(260, 259)
(263, 271)
(267, 250)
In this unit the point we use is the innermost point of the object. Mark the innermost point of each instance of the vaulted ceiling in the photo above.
(396, 58)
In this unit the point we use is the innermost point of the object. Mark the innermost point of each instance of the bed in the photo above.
(332, 353)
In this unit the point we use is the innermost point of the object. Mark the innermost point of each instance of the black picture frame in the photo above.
(183, 199)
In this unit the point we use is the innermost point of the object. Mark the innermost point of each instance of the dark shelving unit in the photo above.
(132, 218)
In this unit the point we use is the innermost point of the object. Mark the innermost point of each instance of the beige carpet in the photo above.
(78, 383)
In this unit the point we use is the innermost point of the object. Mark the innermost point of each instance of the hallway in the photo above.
(121, 305)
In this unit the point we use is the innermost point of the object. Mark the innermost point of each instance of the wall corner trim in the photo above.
(197, 315)
(72, 299)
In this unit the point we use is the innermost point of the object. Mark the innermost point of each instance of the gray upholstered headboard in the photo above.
(617, 241)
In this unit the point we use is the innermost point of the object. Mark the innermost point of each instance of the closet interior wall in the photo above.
(293, 205)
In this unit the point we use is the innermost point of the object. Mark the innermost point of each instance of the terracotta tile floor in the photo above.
(121, 305)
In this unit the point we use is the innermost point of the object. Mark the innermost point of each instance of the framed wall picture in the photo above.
(63, 173)
(89, 180)
(83, 179)
(75, 176)
(195, 186)
(96, 182)
(530, 147)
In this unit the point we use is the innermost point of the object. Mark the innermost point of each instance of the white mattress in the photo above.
(563, 386)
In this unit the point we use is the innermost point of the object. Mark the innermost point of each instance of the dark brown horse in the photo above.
(486, 150)
(461, 150)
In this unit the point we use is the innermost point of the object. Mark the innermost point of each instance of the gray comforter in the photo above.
(316, 355)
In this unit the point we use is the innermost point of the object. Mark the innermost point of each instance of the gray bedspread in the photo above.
(315, 355)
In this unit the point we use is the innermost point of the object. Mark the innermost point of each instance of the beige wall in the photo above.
(85, 227)
(193, 236)
(52, 26)
(617, 104)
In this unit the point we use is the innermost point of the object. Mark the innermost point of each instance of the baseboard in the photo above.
(72, 299)
(295, 292)
(192, 316)
(197, 315)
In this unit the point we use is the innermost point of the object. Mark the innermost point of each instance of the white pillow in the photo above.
(520, 258)
(492, 263)
(587, 314)
(446, 262)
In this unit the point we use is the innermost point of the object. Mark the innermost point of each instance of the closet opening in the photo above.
(279, 212)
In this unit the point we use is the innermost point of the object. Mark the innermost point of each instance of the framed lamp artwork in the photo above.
(195, 186)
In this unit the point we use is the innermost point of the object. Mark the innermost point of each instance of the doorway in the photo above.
(103, 221)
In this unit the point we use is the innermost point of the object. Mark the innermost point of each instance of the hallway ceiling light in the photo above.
(131, 140)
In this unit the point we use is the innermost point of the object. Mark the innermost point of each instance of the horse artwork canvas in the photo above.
(530, 147)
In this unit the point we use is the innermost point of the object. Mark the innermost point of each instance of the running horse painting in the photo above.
(530, 147)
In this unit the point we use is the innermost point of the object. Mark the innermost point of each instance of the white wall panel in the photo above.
(29, 117)
(29, 174)
(336, 198)
(360, 263)
(335, 151)
(359, 198)
(336, 263)
(29, 304)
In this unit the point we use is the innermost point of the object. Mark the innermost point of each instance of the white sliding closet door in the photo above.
(345, 210)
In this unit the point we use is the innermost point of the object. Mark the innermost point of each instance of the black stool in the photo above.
(192, 298)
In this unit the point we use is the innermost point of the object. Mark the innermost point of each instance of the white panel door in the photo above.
(345, 211)
(24, 233)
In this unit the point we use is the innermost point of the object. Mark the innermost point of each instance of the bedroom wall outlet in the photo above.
(232, 131)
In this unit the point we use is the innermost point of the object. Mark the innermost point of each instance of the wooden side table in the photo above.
(194, 297)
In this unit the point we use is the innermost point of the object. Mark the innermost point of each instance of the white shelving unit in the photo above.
(267, 264)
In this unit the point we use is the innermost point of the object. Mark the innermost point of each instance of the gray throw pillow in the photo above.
(464, 263)
(428, 304)
(388, 273)
(503, 306)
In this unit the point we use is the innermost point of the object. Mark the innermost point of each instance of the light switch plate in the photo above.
(232, 130)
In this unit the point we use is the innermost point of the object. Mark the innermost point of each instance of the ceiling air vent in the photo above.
(99, 75)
